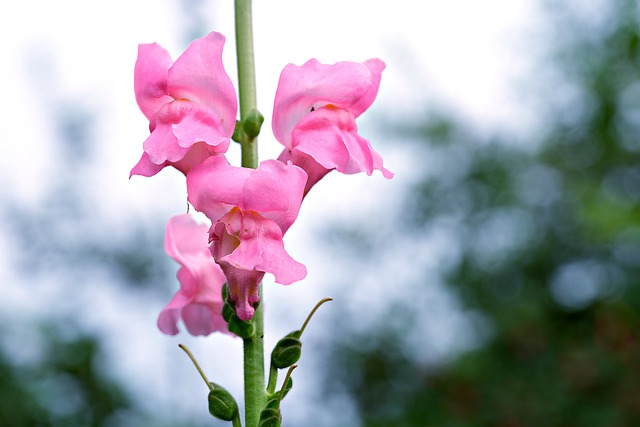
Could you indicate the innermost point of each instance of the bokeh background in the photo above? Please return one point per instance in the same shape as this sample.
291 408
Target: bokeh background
495 281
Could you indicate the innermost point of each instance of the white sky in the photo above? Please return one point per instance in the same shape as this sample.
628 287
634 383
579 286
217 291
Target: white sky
460 53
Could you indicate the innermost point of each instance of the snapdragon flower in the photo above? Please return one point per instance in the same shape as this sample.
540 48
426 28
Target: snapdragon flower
314 117
198 302
250 211
191 105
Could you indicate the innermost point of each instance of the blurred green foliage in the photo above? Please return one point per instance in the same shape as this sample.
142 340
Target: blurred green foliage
549 233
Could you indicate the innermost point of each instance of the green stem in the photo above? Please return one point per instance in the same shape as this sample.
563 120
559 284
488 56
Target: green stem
255 396
273 379
246 78
235 422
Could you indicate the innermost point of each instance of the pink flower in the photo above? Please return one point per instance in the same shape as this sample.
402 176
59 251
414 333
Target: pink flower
199 300
314 117
250 211
191 105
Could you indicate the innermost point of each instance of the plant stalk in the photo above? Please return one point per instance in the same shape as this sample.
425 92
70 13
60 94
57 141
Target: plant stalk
255 396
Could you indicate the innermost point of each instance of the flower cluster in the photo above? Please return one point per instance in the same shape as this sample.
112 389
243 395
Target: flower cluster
191 106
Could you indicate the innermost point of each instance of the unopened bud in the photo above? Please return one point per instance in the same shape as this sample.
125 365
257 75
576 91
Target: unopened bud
286 352
252 124
221 404
270 417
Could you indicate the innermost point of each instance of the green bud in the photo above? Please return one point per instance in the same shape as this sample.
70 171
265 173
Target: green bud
286 352
273 402
236 132
295 334
270 417
240 327
225 292
252 124
221 404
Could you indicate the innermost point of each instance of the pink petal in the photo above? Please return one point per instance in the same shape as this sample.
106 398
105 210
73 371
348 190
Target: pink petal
146 167
170 315
184 236
150 78
199 76
201 319
315 171
199 300
375 66
246 245
274 189
330 136
314 85
243 289
214 187
162 145
261 247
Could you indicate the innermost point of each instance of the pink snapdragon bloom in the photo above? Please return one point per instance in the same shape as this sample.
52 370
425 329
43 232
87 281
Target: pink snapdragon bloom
199 300
191 105
314 117
250 211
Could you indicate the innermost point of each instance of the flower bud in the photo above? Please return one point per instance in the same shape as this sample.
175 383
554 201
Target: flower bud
270 417
221 404
252 124
286 352
236 132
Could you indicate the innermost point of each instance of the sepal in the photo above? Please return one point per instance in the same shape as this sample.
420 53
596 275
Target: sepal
241 328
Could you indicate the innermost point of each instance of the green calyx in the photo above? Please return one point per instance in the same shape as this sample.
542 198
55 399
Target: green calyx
236 325
241 328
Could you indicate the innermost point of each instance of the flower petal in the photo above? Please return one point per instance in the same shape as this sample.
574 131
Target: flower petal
150 78
215 187
274 189
170 315
162 145
375 66
302 89
315 171
199 300
261 247
145 167
199 76
201 319
185 237
330 136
